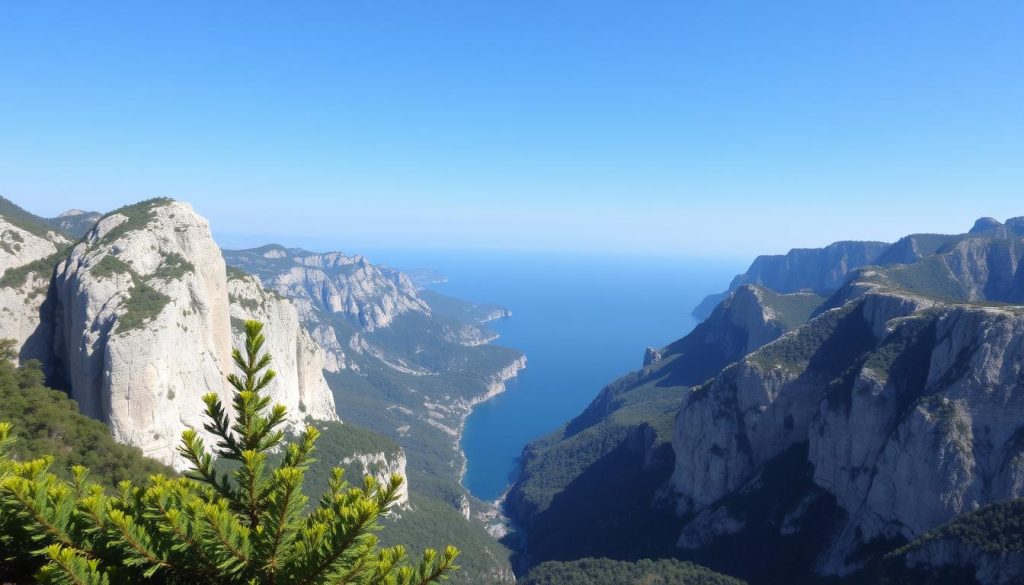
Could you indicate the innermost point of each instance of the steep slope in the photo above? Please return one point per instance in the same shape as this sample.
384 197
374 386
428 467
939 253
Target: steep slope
901 399
74 223
399 366
984 546
143 327
887 410
596 487
298 359
367 296
29 249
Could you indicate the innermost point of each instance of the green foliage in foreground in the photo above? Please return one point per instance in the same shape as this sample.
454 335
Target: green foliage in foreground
609 572
47 423
250 526
428 522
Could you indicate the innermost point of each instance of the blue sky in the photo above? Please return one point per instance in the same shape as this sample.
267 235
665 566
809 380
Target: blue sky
713 128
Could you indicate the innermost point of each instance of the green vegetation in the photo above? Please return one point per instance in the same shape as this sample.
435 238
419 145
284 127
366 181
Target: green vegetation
791 310
110 265
408 365
608 572
794 352
47 422
459 310
17 277
250 305
930 277
251 526
29 222
138 217
590 488
173 267
143 304
996 529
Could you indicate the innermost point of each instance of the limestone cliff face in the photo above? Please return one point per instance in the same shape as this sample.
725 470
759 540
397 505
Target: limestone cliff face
818 270
909 409
369 297
19 246
143 325
25 276
298 359
143 328
382 466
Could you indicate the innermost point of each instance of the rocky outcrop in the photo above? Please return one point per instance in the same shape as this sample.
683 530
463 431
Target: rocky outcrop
817 270
909 409
369 297
27 257
143 328
19 247
298 359
382 466
143 325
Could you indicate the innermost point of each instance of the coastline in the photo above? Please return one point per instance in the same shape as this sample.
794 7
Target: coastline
496 386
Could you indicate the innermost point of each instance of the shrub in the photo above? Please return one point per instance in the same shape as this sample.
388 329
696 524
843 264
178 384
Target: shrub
249 526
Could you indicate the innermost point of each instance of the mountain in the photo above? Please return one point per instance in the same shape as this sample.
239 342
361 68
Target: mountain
74 223
407 364
816 270
143 328
404 367
617 452
814 447
136 320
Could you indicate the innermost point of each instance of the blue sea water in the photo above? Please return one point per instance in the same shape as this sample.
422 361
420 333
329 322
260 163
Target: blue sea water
582 321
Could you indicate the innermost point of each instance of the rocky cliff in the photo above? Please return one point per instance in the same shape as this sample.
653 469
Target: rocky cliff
382 466
904 395
817 270
830 432
28 252
597 487
368 296
143 328
298 360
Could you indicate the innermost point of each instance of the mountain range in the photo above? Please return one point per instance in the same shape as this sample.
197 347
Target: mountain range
841 415
844 415
134 314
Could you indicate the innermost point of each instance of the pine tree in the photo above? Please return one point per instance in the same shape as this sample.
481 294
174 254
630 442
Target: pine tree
251 525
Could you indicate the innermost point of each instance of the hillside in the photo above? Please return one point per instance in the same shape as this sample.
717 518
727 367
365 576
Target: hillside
887 410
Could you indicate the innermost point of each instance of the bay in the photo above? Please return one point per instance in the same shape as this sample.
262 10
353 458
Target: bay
581 320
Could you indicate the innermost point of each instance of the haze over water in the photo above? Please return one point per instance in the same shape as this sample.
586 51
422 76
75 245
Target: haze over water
582 321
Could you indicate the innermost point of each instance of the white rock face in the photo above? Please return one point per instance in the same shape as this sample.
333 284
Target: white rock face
958 448
21 301
19 247
381 466
146 381
298 360
143 329
367 295
21 316
928 428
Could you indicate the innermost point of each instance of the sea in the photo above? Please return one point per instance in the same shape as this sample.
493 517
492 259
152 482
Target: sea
582 320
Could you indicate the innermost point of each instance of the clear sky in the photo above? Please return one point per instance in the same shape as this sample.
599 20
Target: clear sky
715 128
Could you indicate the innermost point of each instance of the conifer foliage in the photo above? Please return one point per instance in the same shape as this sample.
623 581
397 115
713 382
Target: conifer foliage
251 525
